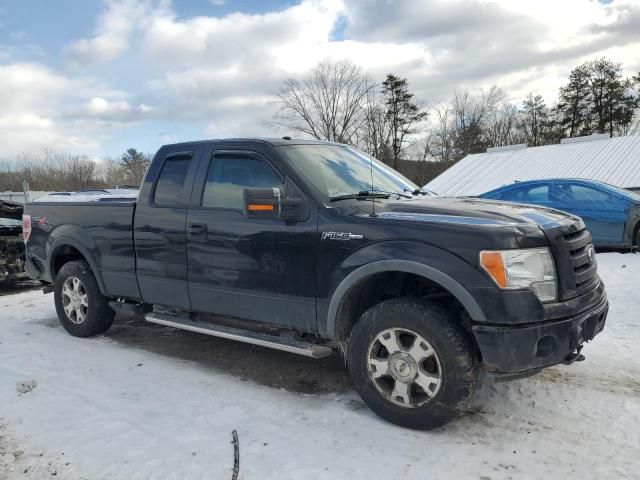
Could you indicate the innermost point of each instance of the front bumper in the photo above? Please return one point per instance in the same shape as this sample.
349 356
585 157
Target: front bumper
516 349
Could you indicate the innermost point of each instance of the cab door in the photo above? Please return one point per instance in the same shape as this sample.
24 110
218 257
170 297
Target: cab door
160 229
254 269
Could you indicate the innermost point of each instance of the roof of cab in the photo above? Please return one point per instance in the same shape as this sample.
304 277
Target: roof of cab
274 142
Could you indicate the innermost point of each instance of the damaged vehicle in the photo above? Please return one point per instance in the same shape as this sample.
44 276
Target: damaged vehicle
310 247
12 251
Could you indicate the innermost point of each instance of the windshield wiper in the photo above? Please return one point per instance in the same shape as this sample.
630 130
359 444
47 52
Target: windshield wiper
419 191
368 194
364 194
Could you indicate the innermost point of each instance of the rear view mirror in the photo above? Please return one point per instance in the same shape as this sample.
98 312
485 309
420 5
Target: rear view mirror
269 203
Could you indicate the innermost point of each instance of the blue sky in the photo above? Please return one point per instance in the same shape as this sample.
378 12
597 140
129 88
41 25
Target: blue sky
97 77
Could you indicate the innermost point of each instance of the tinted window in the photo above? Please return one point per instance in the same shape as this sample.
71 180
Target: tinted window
230 175
536 193
170 184
580 193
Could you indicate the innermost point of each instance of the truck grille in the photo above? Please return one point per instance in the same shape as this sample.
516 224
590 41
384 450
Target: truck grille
575 259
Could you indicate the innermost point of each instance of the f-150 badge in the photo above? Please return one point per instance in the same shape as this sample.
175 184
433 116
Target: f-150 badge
340 236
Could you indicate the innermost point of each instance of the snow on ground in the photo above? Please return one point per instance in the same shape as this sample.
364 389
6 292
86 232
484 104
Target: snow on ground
147 402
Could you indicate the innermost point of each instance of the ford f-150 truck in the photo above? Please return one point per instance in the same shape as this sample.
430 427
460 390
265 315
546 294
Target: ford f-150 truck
311 247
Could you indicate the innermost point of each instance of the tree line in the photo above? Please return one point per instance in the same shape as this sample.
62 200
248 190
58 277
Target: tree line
340 102
50 170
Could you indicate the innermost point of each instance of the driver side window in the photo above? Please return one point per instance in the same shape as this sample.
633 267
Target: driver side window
230 174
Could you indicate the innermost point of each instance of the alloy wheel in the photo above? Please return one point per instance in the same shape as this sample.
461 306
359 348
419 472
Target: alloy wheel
404 367
75 300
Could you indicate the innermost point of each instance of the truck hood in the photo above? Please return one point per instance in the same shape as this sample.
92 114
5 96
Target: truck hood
471 211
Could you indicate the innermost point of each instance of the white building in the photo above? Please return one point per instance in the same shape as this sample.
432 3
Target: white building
596 157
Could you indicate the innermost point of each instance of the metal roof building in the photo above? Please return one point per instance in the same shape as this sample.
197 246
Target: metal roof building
597 157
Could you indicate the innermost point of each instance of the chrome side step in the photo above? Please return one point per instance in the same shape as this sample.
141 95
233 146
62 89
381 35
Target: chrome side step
264 340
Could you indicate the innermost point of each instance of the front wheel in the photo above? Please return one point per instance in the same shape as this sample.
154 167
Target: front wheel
82 309
411 363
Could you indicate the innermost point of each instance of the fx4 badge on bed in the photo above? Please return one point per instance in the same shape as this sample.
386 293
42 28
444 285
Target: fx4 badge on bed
340 236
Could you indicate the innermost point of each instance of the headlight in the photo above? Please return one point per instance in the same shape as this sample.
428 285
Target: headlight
525 268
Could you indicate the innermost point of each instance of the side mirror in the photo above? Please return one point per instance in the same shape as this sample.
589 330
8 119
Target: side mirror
269 203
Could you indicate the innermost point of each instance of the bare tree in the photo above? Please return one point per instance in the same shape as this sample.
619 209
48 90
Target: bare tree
470 113
111 172
501 125
329 105
376 132
438 144
50 170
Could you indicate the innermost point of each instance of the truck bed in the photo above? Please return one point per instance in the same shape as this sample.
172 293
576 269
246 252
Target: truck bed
102 228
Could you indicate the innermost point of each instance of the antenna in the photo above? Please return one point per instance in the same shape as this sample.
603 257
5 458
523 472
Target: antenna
373 200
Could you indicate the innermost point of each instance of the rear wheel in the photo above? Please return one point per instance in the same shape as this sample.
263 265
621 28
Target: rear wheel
411 364
82 310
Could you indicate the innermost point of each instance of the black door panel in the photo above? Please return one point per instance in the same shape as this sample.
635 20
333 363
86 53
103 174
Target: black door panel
255 269
160 232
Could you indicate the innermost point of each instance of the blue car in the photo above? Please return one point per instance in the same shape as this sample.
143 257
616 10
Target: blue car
611 214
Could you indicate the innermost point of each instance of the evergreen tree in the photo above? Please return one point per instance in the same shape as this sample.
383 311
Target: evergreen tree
402 111
574 99
134 164
613 104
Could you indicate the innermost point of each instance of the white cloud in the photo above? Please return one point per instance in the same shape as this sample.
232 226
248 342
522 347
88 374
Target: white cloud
115 111
42 108
114 30
217 75
476 43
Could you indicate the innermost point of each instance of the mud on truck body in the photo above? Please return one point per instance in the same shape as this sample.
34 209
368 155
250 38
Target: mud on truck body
312 247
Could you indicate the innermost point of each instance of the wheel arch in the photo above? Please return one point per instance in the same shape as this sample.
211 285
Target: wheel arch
67 249
335 318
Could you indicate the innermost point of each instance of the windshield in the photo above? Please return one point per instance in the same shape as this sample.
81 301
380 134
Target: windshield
335 170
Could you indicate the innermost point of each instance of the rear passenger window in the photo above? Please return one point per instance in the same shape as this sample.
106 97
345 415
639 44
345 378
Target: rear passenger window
537 193
229 175
586 194
170 184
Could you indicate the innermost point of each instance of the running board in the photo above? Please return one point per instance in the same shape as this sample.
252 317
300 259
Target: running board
255 338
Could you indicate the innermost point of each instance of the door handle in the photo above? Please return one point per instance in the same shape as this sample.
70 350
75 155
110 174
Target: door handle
196 229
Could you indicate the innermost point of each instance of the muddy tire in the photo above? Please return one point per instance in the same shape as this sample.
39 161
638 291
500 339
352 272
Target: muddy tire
82 310
411 363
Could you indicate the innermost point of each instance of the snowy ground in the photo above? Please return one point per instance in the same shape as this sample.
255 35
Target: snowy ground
148 402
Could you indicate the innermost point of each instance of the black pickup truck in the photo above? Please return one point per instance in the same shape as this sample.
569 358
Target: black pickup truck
308 247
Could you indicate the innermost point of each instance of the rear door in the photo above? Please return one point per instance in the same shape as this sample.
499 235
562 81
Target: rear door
160 229
255 269
604 214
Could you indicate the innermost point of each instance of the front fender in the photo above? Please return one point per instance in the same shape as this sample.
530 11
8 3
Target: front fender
428 261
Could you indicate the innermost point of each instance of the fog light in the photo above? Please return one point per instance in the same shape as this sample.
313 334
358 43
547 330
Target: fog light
545 346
